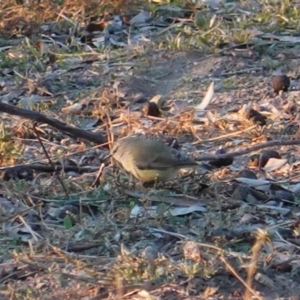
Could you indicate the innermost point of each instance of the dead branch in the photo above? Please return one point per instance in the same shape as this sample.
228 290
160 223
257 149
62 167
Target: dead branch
38 117
57 167
100 139
249 149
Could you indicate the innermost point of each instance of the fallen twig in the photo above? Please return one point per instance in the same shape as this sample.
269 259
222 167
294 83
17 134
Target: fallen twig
249 149
38 117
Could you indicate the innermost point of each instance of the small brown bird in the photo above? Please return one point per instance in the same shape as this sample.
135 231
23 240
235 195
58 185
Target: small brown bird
280 83
149 160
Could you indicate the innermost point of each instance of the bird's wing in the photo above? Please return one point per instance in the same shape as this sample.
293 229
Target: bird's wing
162 161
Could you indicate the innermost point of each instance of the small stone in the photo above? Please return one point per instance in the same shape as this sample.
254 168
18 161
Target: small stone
266 155
18 173
191 250
151 109
221 162
244 193
253 115
280 83
150 253
256 117
261 160
247 174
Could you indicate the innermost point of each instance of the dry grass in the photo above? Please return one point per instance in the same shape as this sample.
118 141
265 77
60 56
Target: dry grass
62 237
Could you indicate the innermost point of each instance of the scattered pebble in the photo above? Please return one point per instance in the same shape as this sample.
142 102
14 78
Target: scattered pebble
280 83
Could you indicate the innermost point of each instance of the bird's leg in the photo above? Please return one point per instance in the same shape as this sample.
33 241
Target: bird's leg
145 198
156 181
131 181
